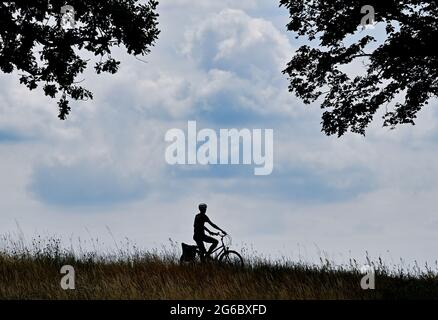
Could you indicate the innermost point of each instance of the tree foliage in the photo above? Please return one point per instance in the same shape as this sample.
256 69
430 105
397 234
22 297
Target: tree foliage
33 42
402 70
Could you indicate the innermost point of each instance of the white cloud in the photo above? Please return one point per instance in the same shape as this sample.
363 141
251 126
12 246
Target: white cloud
234 41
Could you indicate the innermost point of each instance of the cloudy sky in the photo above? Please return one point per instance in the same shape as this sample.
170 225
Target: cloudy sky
218 63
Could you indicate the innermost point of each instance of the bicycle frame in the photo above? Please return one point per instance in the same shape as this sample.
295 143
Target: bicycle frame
222 248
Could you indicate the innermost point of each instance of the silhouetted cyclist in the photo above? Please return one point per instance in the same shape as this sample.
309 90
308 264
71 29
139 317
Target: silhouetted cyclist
199 231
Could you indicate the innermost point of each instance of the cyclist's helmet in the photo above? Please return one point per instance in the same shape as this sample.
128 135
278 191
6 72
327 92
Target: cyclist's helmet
202 206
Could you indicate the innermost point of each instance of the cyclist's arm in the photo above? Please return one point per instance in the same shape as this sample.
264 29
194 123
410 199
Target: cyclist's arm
210 232
216 227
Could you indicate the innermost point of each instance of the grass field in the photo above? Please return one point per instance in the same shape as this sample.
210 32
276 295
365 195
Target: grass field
35 274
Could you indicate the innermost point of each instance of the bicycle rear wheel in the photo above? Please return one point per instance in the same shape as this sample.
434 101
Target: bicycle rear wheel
231 258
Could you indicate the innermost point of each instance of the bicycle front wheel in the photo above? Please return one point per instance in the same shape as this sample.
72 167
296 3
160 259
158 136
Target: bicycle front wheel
231 258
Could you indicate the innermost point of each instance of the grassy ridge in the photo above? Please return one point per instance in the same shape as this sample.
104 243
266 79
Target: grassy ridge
36 274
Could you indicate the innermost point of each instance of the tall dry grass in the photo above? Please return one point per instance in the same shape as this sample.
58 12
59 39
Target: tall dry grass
33 272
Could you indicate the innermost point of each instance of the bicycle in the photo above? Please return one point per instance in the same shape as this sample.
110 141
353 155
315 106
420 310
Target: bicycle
221 254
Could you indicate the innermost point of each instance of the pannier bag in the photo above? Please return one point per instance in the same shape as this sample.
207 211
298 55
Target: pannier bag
188 252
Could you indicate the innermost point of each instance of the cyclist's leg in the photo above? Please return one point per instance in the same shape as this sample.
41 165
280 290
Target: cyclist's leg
213 242
200 243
